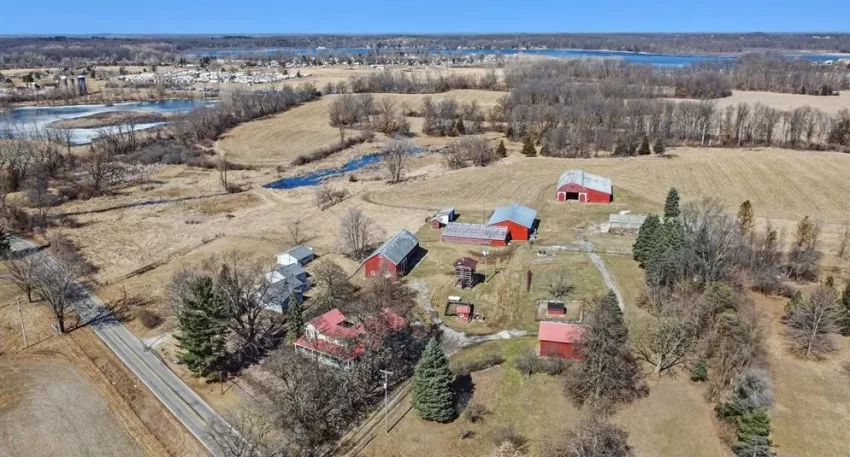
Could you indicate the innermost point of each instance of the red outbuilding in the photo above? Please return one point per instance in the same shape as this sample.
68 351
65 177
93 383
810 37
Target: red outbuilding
560 339
393 258
464 312
576 185
518 219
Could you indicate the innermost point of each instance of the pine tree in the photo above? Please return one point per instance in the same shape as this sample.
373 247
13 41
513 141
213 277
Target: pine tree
294 319
844 323
528 149
4 243
658 147
671 205
609 373
544 151
662 266
700 371
459 127
746 217
647 239
433 397
644 147
202 328
501 149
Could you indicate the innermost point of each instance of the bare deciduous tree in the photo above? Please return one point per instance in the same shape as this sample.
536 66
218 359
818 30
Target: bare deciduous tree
594 437
394 157
811 325
665 342
356 233
55 280
558 284
845 240
332 283
23 272
251 434
297 232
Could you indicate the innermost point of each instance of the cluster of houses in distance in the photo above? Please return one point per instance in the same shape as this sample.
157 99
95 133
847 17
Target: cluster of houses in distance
333 339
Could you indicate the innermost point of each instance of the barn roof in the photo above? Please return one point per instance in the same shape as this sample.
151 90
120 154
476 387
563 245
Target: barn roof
520 214
398 247
587 180
477 231
559 332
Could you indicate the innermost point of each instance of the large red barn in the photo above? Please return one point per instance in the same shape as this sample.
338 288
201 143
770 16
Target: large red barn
518 219
393 258
576 185
560 339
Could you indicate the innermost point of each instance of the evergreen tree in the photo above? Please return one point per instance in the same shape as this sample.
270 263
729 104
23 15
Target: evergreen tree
609 374
459 127
700 371
621 148
528 149
658 147
794 303
647 239
662 266
501 149
4 243
433 396
845 311
544 151
294 319
746 217
671 205
644 147
202 328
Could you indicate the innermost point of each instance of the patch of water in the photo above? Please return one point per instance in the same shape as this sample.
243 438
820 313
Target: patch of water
315 178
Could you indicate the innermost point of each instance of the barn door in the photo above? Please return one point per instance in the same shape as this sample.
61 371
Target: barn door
562 196
582 197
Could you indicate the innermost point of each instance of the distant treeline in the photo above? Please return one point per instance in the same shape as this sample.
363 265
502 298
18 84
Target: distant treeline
579 120
679 43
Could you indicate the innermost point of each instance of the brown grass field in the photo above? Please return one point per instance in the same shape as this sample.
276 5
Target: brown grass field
68 395
279 139
537 409
787 102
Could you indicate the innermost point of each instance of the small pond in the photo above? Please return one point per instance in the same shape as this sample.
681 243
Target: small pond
315 178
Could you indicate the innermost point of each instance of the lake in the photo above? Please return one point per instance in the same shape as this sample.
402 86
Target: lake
662 60
31 117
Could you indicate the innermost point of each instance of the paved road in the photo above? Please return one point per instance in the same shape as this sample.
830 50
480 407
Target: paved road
179 398
606 276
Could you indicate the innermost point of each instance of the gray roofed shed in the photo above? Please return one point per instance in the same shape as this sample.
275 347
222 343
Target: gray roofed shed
301 253
477 231
517 213
584 179
398 247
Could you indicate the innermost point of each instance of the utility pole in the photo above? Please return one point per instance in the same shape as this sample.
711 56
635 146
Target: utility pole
386 401
21 315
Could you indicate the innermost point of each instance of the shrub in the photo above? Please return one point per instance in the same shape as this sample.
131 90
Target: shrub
507 434
477 364
148 318
328 151
475 412
700 371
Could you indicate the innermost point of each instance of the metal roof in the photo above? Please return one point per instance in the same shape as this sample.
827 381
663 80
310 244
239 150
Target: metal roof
478 231
626 219
291 271
520 214
559 332
587 180
300 252
398 247
446 211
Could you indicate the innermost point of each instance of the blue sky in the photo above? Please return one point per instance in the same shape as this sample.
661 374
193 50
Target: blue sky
420 16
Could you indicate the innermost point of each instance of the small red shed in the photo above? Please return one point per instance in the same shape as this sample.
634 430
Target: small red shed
518 219
393 257
576 185
464 312
560 339
556 308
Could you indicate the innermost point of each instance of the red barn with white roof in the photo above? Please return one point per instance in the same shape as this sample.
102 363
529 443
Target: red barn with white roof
576 185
